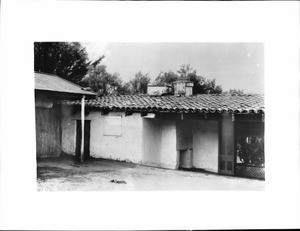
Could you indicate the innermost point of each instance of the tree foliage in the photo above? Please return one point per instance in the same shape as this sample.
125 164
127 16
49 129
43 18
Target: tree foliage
67 60
105 83
186 72
125 89
166 78
99 80
138 85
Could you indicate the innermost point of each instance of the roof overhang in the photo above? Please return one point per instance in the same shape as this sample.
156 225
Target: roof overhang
64 95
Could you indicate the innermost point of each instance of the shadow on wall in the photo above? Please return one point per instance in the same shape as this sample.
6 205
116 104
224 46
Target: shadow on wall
159 143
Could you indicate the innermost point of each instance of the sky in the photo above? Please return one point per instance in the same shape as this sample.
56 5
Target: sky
233 65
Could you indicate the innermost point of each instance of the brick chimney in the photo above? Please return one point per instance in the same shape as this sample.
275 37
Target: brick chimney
158 90
183 87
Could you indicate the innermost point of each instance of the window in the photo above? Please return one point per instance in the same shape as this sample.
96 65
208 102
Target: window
113 126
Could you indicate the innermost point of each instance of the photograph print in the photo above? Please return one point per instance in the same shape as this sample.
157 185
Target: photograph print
149 116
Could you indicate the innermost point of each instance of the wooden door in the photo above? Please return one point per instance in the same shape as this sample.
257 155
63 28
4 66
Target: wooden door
226 154
86 147
48 132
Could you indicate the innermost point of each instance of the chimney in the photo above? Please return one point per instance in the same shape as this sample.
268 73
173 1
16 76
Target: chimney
158 90
183 87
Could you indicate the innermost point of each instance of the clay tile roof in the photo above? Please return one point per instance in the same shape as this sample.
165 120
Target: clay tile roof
49 82
209 103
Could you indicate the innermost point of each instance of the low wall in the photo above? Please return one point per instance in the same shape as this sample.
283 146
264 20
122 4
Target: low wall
205 145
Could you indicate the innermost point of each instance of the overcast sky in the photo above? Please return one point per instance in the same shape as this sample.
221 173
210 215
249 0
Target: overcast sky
233 65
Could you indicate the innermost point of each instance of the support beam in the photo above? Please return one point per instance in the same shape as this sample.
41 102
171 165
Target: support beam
144 114
82 130
128 113
104 112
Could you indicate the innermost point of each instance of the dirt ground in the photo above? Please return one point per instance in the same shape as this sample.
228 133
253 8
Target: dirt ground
98 174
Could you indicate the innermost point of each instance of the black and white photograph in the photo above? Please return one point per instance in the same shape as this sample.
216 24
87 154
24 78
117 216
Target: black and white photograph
149 115
141 116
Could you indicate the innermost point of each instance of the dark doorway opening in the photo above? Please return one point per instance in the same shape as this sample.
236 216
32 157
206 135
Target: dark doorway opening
86 146
250 155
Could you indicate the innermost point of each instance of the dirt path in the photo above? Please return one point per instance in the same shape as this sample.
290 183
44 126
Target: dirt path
93 175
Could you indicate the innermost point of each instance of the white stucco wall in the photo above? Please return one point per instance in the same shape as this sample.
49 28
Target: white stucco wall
152 133
124 147
159 143
169 154
147 141
205 145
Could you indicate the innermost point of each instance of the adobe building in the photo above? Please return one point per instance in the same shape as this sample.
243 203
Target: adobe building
220 133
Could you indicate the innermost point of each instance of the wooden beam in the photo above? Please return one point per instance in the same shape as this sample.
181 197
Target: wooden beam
128 113
249 117
144 114
82 130
104 112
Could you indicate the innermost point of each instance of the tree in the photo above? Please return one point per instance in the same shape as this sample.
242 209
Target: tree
99 80
186 72
139 84
125 89
165 78
67 60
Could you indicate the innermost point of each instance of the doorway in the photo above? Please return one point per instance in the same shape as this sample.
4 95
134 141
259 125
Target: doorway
86 146
249 150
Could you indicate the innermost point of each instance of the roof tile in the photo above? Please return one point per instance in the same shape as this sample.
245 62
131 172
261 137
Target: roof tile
253 103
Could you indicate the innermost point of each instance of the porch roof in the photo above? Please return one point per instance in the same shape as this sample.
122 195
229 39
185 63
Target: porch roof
207 103
54 83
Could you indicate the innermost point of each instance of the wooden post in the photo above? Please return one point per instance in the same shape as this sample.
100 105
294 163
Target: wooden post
82 130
